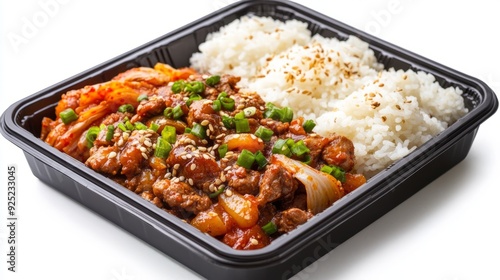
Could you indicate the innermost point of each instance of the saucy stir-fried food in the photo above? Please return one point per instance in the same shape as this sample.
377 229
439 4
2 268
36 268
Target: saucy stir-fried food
234 167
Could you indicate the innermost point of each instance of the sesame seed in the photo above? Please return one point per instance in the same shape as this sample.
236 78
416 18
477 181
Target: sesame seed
205 122
229 193
201 148
125 136
193 167
148 143
190 181
112 155
254 241
176 166
182 178
223 178
144 155
211 127
143 149
120 142
218 181
117 134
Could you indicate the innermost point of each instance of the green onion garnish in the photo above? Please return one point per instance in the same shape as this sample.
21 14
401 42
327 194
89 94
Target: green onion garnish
246 159
217 105
122 127
129 125
309 125
264 133
261 160
335 171
213 80
110 132
177 112
140 126
287 114
168 133
270 228
281 147
168 112
67 116
163 148
228 121
142 97
192 98
195 87
299 149
249 111
126 108
199 131
222 150
178 86
216 193
154 126
92 135
242 125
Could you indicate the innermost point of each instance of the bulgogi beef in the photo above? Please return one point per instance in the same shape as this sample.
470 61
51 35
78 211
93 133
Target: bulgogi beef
236 168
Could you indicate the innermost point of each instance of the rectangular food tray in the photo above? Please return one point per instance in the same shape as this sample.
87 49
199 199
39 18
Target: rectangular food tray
21 124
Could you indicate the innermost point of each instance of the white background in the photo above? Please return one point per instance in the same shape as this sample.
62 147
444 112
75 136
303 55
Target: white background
448 231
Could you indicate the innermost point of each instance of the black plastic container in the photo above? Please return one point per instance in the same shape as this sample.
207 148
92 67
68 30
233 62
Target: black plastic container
21 124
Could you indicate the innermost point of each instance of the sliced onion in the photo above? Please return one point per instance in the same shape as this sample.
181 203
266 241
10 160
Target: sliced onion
322 189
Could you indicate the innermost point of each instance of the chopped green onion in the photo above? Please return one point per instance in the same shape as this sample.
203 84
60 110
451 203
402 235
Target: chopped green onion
213 80
249 111
309 125
110 132
264 133
92 135
228 121
270 228
194 87
227 103
140 126
168 133
239 116
199 131
287 114
281 147
222 150
154 126
122 127
142 97
222 95
126 108
177 112
261 160
217 105
246 159
163 148
290 142
242 126
129 125
67 116
192 98
273 113
168 112
299 149
216 193
335 171
178 86
187 130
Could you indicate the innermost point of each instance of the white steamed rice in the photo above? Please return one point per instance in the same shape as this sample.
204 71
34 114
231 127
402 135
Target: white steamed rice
386 113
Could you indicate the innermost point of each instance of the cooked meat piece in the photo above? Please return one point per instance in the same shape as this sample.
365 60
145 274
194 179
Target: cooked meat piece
243 180
180 194
339 152
266 214
202 112
278 128
276 183
228 84
149 196
316 144
194 163
246 239
290 219
104 160
135 152
155 105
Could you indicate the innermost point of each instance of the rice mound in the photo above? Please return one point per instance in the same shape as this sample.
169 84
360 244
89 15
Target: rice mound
339 84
